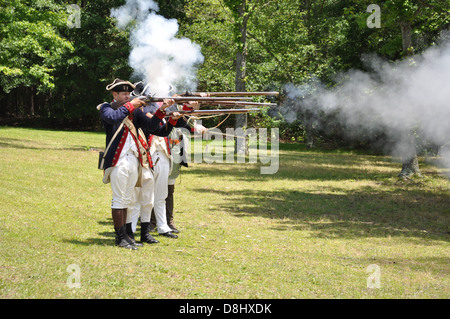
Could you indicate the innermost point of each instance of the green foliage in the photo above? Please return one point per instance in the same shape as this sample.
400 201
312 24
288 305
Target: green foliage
101 52
31 46
427 18
288 41
71 65
208 25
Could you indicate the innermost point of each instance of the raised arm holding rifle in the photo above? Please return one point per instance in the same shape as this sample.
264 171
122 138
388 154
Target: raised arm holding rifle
126 152
154 188
176 144
123 155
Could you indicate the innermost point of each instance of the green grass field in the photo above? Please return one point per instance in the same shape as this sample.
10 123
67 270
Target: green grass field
312 230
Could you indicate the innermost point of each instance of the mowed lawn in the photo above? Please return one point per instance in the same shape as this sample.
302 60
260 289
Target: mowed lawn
328 224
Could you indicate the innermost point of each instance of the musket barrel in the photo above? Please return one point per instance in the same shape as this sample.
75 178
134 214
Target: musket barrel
239 103
237 93
190 99
209 112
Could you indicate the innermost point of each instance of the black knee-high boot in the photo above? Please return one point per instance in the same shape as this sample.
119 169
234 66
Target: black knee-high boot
145 234
130 234
169 209
152 221
122 238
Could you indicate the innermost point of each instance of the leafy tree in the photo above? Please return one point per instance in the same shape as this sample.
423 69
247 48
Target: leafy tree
101 51
68 67
408 27
208 24
173 9
31 46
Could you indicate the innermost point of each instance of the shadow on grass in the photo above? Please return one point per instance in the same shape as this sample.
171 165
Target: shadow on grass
351 215
106 238
402 209
327 211
305 165
32 145
92 241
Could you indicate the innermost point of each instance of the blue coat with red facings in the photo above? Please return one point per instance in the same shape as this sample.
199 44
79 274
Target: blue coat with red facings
150 126
181 123
112 119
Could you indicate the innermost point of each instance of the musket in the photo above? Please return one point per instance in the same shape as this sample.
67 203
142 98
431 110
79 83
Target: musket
212 112
211 101
222 94
182 99
238 103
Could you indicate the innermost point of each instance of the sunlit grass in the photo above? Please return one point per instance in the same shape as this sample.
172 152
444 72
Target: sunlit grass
308 231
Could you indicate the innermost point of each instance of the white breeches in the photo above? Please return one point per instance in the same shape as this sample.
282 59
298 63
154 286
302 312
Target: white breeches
152 195
142 202
123 180
161 173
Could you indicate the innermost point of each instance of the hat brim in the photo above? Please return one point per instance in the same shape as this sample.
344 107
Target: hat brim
122 86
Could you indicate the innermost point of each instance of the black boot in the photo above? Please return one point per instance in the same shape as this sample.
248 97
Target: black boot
122 239
131 235
169 234
169 209
152 222
145 234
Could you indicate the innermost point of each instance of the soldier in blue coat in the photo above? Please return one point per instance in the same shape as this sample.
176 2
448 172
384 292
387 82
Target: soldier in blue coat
125 152
143 199
154 183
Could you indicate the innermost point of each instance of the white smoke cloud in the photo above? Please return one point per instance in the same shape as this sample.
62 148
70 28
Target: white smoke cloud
133 10
394 98
158 57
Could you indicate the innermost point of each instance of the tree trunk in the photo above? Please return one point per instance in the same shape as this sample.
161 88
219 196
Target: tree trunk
308 16
32 100
410 163
241 60
405 27
308 118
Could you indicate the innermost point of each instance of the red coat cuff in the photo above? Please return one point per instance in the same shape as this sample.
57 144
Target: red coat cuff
173 122
160 114
129 106
187 107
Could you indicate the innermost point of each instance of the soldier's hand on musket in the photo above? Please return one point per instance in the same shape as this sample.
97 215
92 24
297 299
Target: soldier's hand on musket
200 129
167 103
137 102
176 115
193 104
196 104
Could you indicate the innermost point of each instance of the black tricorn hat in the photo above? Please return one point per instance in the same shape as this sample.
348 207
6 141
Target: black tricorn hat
119 85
